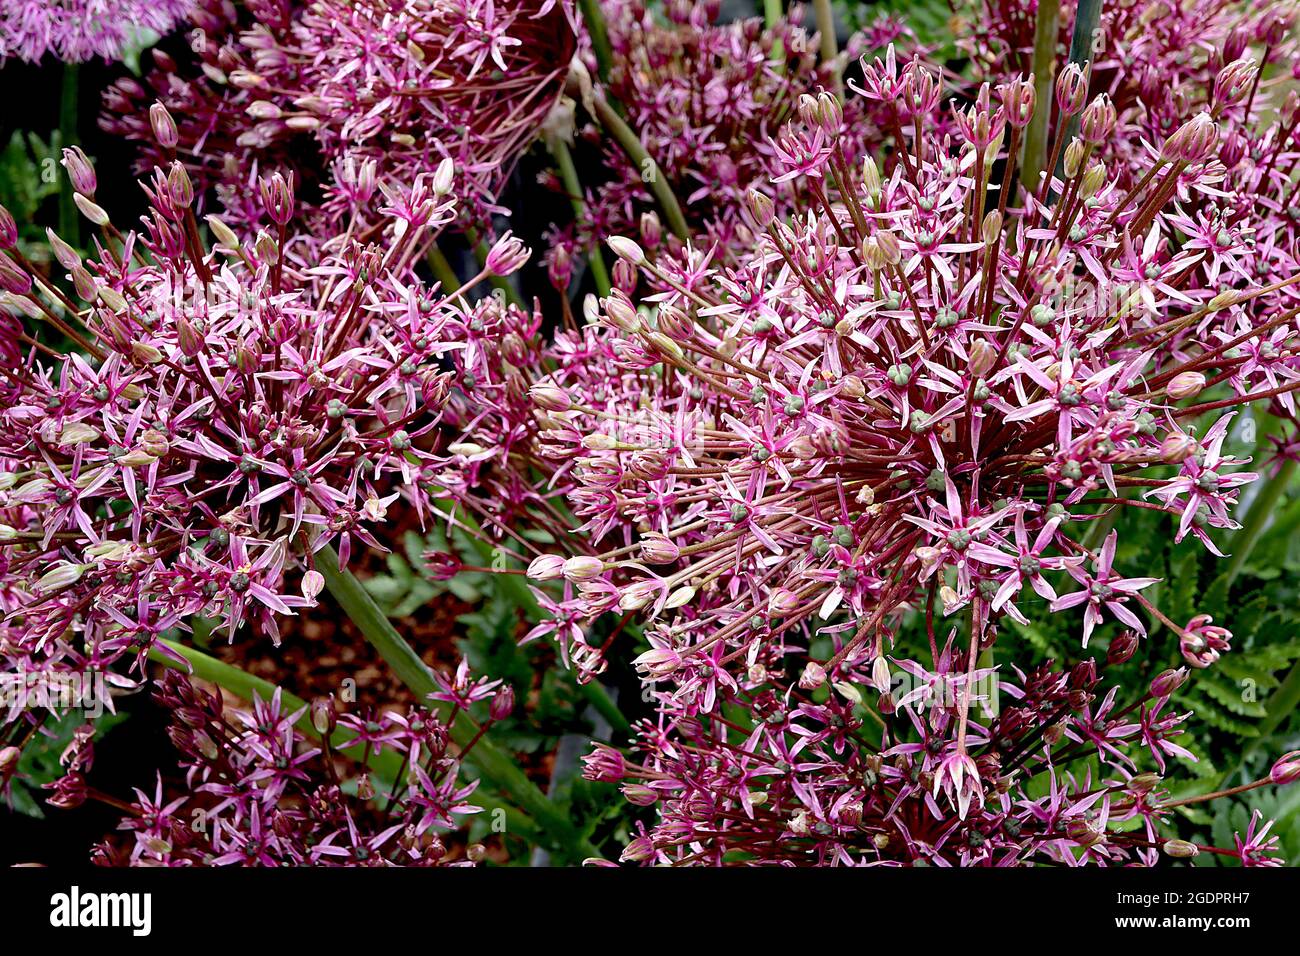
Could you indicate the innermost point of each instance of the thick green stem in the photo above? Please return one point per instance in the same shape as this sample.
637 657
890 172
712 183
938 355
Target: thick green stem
69 217
569 175
1086 18
826 31
599 36
442 270
772 14
1045 30
631 144
495 766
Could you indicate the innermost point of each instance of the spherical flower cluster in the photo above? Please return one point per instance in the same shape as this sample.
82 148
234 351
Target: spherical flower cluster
78 30
262 792
915 398
353 103
229 413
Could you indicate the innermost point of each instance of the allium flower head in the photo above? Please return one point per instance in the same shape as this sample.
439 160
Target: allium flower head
354 103
896 399
78 30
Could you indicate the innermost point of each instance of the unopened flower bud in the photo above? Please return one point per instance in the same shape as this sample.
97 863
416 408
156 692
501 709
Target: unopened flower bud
1234 82
323 716
1185 385
1092 180
1071 89
8 229
1074 155
583 568
546 567
813 676
155 443
136 458
761 207
1018 100
889 246
1084 831
664 345
638 595
1177 448
639 795
1286 769
146 354
982 356
881 679
652 229
851 386
1098 120
313 583
13 279
64 253
1143 782
604 764
802 447
1168 681
503 703
623 276
674 322
872 255
622 314
223 233
8 763
680 597
649 464
263 110
90 210
1195 140
110 298
1181 849
267 249
277 198
550 397
870 177
1290 107
365 788
78 433
782 601
443 177
657 549
1273 26
188 338
62 575
163 126
1222 300
991 228
80 172
806 106
625 248
830 114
